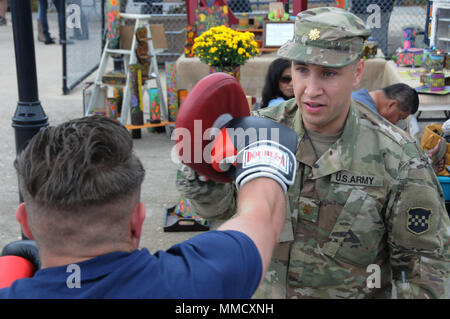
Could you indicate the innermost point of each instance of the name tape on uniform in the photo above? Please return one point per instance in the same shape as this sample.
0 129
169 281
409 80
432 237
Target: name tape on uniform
356 179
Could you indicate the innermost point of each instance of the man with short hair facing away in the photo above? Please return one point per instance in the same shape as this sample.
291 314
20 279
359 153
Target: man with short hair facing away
394 102
81 184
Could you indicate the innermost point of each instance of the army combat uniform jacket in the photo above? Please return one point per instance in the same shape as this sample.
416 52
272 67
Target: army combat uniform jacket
368 213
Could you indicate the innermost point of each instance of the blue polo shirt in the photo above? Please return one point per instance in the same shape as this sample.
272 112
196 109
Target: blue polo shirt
364 97
215 264
275 102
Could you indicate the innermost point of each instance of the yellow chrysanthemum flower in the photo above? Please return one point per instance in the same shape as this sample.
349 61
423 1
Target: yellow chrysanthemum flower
224 46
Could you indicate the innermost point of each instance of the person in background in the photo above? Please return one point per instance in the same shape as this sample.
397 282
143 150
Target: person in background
42 22
3 8
278 84
397 103
394 102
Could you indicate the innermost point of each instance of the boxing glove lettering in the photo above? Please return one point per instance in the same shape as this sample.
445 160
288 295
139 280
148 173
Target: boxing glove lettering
251 147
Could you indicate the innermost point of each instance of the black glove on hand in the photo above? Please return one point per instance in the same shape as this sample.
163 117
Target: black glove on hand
251 147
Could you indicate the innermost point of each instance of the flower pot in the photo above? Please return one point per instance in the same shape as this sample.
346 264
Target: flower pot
234 70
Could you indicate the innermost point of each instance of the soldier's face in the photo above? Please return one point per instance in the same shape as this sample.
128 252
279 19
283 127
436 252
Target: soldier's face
323 94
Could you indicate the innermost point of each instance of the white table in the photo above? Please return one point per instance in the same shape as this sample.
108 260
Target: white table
252 73
378 73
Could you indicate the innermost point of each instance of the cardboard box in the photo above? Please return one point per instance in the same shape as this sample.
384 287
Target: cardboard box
158 36
126 36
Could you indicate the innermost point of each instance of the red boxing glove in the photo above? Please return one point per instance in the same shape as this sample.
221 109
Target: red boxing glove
20 259
13 268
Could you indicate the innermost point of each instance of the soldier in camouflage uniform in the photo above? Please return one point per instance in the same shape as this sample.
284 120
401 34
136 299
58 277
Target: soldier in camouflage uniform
365 202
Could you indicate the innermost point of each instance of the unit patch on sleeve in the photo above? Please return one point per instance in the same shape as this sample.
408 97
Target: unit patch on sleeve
418 221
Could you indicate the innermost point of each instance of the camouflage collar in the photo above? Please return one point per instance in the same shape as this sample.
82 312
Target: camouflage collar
341 154
298 125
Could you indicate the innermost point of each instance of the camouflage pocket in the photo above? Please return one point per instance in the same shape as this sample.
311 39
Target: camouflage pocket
344 222
366 238
356 236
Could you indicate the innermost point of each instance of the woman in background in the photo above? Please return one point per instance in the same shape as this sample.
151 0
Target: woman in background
278 84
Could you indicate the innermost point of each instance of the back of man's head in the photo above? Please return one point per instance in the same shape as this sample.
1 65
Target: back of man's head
406 96
77 176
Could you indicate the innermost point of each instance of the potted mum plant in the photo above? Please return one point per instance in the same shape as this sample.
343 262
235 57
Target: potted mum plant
225 49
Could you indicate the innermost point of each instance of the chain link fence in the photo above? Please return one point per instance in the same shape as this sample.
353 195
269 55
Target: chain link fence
84 29
172 15
387 18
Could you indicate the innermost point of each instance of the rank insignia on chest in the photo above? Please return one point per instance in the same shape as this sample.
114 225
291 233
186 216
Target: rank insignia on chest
308 209
418 221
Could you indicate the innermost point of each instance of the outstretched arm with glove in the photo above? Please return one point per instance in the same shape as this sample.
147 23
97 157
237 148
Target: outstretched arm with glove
256 153
259 155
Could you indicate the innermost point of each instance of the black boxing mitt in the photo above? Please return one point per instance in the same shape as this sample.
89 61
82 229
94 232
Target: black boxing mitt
252 147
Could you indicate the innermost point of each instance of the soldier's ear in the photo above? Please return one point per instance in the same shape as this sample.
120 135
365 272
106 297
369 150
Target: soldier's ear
358 71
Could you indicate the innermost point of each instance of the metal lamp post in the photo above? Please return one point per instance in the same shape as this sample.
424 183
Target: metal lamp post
29 116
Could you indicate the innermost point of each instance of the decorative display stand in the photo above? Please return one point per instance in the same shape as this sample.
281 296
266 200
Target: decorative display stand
130 59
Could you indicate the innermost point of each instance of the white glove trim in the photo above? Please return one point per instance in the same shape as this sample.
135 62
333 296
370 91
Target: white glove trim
247 178
267 164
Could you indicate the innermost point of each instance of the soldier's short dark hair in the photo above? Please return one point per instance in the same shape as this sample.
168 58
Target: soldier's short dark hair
407 97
